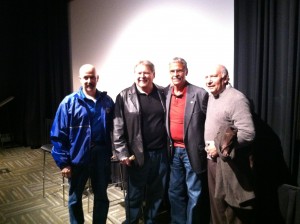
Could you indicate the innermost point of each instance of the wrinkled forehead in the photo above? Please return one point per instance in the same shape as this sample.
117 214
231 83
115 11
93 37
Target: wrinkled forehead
177 64
87 70
212 70
142 68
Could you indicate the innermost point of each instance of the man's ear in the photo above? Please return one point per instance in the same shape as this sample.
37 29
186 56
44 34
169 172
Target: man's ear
225 78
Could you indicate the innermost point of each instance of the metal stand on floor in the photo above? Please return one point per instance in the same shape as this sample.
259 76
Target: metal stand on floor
47 150
7 139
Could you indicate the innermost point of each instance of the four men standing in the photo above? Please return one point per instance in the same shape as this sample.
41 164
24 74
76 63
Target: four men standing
147 120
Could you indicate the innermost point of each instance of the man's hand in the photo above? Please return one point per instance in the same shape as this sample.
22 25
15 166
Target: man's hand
66 172
211 149
127 160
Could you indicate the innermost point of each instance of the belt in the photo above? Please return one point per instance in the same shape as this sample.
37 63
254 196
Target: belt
179 147
153 150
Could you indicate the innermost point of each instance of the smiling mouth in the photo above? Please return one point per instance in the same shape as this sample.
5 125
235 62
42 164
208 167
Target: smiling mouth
90 86
176 78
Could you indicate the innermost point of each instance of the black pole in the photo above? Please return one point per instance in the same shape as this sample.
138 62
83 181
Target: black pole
128 198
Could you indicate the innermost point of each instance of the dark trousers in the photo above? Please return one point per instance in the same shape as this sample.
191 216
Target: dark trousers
221 212
99 171
147 184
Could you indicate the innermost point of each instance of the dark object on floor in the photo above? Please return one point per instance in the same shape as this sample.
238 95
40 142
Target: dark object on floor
289 203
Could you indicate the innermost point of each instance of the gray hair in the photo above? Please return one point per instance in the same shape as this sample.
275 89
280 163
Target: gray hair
179 60
223 70
147 63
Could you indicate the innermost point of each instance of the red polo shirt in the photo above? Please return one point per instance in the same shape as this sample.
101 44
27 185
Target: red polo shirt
177 118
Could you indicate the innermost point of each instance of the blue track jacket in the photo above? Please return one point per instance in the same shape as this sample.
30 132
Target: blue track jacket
71 129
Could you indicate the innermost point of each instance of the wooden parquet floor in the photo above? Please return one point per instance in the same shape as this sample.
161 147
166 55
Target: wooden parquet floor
21 191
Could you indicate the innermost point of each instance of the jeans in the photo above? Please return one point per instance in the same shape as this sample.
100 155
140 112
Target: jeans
185 190
99 171
146 183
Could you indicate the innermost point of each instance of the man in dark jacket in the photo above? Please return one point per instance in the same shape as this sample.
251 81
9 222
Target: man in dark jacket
186 111
139 131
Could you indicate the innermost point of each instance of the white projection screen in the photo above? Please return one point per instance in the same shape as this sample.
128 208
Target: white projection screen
114 34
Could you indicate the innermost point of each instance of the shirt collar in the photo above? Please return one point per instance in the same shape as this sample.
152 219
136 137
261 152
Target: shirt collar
182 93
81 93
143 93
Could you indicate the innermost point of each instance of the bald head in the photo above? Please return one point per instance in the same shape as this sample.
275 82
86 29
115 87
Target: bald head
223 71
217 79
88 79
87 68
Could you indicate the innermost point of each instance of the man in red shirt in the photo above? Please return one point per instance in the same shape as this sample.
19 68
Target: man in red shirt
186 113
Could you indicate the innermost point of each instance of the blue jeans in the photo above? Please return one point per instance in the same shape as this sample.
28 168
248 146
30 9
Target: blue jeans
146 183
99 171
185 189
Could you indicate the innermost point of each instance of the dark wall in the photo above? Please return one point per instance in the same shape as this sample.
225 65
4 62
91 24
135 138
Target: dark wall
266 66
11 76
35 65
